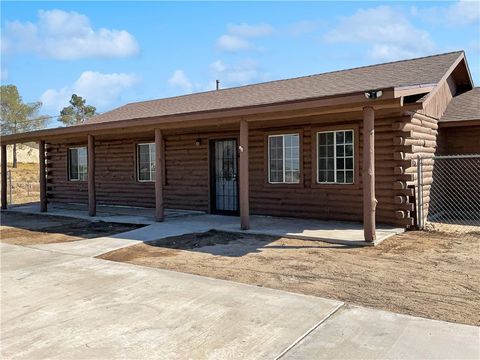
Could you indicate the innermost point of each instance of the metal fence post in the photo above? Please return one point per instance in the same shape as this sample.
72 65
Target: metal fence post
10 186
420 193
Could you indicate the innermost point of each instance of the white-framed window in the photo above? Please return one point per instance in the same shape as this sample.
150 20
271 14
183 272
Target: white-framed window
77 164
335 157
284 159
146 162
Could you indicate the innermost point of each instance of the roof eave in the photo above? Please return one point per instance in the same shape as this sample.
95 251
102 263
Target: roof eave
402 91
452 67
458 123
342 101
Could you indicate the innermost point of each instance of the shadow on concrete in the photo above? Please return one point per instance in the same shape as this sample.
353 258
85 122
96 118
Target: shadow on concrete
231 244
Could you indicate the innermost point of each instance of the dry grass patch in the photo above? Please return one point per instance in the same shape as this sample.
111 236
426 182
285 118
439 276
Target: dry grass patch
25 183
430 275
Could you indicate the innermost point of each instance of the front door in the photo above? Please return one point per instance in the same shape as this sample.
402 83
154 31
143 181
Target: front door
223 175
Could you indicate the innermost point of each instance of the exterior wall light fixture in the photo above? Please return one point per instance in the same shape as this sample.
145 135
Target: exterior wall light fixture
373 94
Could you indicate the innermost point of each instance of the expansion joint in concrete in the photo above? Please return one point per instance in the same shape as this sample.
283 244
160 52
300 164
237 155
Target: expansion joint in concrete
308 332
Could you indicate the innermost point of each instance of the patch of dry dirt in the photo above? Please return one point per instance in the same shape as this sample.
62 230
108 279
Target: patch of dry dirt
24 229
424 274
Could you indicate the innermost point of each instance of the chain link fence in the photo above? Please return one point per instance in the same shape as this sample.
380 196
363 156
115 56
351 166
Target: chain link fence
448 198
22 186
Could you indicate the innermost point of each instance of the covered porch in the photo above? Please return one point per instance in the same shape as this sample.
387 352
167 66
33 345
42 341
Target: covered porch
183 159
178 222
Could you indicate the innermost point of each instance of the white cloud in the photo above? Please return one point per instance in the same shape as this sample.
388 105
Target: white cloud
231 43
240 73
463 12
99 89
218 66
236 74
237 36
460 13
302 27
248 31
386 31
66 35
180 80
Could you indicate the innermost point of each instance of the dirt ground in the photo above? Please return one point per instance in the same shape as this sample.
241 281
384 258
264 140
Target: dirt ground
431 275
24 229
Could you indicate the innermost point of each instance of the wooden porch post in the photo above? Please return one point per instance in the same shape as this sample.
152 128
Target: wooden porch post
43 179
368 174
4 176
159 156
92 201
244 174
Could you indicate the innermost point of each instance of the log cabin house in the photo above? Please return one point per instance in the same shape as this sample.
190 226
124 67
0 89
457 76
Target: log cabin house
340 145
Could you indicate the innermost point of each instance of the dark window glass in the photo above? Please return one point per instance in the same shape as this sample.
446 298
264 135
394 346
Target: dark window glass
335 157
284 158
77 164
146 162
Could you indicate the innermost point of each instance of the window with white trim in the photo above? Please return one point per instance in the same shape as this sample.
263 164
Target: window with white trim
284 159
77 164
335 157
146 162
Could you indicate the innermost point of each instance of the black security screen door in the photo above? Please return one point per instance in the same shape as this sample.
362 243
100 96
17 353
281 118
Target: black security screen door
223 167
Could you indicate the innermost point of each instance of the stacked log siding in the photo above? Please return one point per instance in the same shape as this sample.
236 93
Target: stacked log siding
187 175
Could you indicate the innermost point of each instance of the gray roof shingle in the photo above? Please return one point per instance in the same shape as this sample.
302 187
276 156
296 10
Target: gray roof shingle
426 70
465 106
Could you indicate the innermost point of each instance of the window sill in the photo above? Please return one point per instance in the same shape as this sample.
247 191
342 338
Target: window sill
284 185
335 186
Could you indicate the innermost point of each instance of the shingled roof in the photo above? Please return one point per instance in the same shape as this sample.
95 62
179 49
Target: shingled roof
420 71
465 106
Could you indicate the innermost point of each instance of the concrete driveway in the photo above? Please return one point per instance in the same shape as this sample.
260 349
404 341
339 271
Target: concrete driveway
63 306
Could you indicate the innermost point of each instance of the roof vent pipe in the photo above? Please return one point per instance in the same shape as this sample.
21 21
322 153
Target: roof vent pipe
218 84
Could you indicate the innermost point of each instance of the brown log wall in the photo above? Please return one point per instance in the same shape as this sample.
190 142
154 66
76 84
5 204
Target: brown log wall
187 176
459 140
115 176
416 136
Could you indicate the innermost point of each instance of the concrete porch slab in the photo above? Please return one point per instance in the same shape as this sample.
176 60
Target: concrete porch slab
178 222
106 213
339 232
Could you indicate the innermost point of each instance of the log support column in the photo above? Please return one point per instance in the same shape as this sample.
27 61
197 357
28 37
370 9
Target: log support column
92 201
159 158
244 175
4 176
368 174
43 177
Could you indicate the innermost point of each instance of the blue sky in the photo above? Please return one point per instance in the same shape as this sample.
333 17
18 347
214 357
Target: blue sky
117 52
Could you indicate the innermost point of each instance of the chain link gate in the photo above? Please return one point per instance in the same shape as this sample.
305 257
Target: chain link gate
448 194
